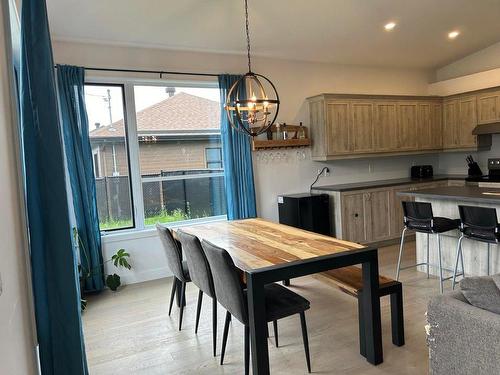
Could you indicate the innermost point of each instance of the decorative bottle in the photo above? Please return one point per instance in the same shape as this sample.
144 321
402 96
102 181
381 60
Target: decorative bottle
301 133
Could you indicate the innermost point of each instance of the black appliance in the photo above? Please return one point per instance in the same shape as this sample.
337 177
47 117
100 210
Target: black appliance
493 172
421 171
305 211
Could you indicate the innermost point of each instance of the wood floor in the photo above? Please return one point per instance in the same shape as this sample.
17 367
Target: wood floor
129 332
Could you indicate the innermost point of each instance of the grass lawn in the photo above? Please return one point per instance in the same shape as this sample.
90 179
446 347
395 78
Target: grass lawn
163 217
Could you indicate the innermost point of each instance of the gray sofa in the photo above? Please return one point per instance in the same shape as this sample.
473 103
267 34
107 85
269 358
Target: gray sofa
462 338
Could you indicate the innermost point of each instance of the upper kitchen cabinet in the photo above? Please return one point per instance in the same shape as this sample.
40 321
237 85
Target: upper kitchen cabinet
354 126
467 111
361 126
488 107
429 125
406 126
460 117
450 124
385 120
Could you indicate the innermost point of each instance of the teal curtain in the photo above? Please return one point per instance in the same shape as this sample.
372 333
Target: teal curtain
74 121
52 256
237 159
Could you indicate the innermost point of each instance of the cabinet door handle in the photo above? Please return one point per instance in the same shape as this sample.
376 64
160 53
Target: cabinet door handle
356 215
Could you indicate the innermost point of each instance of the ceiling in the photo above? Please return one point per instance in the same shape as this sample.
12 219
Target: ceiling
338 31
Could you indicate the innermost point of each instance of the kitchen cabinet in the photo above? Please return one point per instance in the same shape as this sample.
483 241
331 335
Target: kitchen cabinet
361 126
366 216
459 120
488 104
467 116
347 126
353 217
450 124
429 126
406 130
338 128
374 215
385 120
377 218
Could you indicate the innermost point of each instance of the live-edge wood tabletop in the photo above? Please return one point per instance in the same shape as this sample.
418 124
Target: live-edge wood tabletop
258 243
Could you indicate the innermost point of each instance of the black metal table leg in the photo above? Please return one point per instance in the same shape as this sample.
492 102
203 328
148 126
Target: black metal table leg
397 319
361 323
257 325
371 310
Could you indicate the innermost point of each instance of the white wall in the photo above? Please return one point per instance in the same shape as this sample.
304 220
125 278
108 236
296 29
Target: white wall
295 81
17 343
480 61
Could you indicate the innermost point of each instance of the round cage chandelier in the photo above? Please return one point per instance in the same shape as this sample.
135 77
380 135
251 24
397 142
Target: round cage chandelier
249 108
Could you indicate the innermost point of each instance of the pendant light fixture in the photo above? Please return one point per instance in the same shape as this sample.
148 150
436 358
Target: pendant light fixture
249 108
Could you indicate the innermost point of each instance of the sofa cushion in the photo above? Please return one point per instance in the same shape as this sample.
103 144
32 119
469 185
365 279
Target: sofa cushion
482 292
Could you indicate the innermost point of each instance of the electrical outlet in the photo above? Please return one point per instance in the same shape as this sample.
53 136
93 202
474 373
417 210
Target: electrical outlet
326 172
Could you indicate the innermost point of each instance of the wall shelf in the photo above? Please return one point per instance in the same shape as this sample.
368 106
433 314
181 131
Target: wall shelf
282 143
293 141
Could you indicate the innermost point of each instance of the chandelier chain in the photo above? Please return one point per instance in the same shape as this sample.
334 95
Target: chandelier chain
247 29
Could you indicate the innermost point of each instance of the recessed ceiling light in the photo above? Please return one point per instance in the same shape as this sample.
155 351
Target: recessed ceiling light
390 26
453 34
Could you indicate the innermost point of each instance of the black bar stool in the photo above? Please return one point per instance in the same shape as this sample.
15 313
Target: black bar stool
418 216
478 224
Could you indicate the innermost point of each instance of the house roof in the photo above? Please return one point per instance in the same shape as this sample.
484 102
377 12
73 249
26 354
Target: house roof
181 113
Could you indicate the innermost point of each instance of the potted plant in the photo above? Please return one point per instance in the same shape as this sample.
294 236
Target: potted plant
120 260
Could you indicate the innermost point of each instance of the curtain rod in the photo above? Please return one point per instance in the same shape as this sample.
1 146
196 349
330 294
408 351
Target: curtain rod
160 72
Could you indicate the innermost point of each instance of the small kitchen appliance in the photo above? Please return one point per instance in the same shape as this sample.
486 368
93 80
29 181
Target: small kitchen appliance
421 171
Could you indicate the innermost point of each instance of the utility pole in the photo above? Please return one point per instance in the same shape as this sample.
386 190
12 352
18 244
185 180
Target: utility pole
108 100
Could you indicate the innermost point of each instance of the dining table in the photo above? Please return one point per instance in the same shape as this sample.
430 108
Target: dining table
268 252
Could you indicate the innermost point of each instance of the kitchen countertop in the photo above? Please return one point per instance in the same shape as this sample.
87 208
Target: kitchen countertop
457 193
390 182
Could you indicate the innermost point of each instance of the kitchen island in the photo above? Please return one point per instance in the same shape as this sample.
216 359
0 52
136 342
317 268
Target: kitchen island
445 201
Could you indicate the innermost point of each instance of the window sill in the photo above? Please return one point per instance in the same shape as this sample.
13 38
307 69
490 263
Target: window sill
133 234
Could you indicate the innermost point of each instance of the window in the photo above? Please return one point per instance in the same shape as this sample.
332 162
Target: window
108 140
175 127
213 157
173 143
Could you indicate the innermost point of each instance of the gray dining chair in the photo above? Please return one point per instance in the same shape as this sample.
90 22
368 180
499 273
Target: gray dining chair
178 267
229 290
201 277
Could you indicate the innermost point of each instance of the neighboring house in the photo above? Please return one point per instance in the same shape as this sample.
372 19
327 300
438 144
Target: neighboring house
178 133
177 136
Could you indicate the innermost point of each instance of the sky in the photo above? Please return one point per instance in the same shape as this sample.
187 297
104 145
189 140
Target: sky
98 109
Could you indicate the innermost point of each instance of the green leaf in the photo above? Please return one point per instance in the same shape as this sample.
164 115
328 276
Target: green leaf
113 282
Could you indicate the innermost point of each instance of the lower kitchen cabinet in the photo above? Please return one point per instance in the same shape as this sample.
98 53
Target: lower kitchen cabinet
353 217
374 215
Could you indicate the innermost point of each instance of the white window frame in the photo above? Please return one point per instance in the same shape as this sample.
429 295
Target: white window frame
133 144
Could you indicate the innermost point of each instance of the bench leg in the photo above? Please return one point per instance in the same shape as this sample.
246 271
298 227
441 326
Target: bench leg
397 319
361 322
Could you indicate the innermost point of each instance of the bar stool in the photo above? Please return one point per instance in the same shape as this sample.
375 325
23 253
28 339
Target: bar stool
478 224
418 216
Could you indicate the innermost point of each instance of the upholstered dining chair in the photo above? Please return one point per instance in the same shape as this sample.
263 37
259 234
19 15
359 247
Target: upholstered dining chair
229 291
201 277
178 267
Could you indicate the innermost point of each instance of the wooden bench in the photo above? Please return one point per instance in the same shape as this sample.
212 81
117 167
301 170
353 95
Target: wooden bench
349 280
